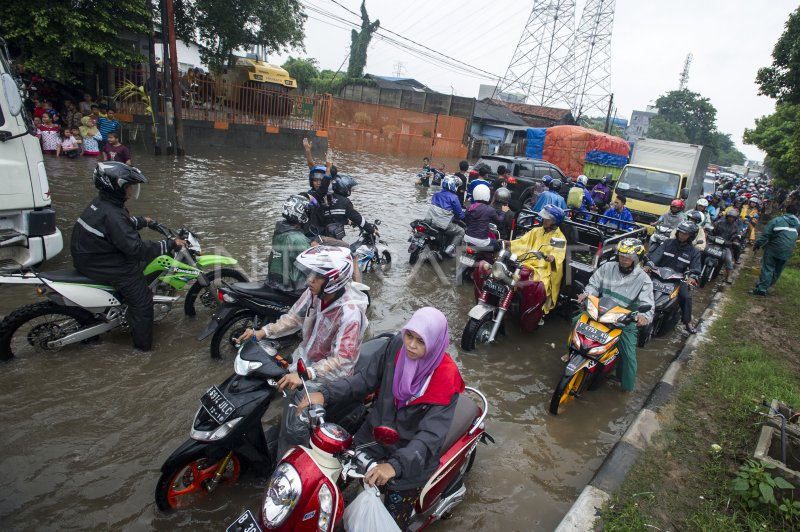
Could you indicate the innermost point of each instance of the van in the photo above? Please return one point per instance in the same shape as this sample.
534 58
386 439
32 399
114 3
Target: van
28 232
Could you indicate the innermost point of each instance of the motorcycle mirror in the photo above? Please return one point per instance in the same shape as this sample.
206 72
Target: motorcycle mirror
558 243
302 370
386 436
376 222
645 308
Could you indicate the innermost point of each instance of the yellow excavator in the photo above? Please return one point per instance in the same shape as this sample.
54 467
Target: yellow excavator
257 87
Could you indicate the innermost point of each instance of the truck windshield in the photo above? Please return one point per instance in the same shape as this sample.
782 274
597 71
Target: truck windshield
648 185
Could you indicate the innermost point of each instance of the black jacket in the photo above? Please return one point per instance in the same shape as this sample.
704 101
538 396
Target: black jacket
338 209
680 257
106 241
422 427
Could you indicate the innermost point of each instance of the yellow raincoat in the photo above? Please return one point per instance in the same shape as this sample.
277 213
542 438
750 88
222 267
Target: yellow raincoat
549 273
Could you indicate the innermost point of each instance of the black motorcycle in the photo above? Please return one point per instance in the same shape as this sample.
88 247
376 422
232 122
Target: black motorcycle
713 256
666 283
227 435
370 251
424 236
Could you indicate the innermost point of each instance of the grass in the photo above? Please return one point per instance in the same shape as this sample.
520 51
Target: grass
679 482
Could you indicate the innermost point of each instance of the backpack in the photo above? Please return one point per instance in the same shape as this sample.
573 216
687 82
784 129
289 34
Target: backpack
575 198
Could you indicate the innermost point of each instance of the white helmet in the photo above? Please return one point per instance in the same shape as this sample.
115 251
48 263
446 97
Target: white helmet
332 262
702 202
583 180
482 193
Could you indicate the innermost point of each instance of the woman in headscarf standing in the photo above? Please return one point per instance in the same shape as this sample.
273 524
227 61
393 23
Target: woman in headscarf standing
91 135
419 385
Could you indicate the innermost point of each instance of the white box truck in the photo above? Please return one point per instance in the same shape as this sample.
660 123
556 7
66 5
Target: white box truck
28 232
660 171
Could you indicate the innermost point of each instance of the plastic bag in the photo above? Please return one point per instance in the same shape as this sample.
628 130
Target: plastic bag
368 514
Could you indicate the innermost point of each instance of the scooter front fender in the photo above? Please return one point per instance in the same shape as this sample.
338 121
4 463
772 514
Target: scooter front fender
480 310
187 451
577 363
213 324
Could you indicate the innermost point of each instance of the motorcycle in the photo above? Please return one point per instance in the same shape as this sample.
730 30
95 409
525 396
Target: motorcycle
503 286
227 435
713 255
661 235
79 308
474 254
424 236
370 251
306 490
666 283
593 350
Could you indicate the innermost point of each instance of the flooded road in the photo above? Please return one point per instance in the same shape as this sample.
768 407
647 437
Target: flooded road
85 430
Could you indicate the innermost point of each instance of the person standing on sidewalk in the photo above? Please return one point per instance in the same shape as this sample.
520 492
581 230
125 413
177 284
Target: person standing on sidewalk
778 239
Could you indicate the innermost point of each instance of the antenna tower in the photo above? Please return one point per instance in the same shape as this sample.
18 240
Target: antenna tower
684 79
593 58
541 67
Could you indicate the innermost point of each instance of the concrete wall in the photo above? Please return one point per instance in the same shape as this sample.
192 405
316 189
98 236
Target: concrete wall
199 134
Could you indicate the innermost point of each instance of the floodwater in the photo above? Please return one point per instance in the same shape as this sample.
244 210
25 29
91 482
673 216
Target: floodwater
85 430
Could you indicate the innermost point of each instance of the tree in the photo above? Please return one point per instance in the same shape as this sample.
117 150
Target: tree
302 70
692 112
782 80
598 123
60 41
779 135
725 152
662 129
220 27
359 41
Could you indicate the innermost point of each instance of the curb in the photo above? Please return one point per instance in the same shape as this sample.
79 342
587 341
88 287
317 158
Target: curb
619 461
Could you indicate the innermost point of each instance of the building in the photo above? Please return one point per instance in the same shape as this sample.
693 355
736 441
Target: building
539 116
640 123
488 91
493 124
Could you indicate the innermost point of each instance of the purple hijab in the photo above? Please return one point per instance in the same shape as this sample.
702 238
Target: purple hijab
410 375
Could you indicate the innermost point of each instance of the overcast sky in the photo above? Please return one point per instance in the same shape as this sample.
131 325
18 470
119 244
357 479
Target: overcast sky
729 39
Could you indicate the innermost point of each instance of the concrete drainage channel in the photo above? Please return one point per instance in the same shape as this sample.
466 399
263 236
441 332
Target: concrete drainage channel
609 477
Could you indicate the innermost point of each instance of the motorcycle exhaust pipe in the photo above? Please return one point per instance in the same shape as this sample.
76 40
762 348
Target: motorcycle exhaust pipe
165 299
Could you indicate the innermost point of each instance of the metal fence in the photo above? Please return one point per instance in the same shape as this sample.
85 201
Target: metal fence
203 98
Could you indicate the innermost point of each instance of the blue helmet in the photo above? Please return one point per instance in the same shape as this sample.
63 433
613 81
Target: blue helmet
553 212
547 179
449 183
318 172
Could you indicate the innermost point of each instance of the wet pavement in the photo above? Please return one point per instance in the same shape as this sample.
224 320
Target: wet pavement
85 430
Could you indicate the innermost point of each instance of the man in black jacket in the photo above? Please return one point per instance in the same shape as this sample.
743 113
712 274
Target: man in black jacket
106 245
680 255
336 210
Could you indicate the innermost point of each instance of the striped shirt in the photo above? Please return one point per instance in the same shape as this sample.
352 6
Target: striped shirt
106 126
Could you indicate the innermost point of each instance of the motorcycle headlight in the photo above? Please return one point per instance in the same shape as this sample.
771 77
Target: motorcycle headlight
283 493
216 434
499 270
325 508
245 367
611 317
603 348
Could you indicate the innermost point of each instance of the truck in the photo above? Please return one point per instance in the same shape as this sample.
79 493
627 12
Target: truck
659 172
28 232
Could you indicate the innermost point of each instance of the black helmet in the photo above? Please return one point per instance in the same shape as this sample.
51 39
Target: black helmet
555 185
694 216
689 228
114 177
608 179
344 184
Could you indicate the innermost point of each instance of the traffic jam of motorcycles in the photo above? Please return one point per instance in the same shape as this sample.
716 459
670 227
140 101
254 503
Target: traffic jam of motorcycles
389 417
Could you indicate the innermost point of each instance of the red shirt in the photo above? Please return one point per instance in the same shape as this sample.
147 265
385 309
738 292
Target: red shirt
117 153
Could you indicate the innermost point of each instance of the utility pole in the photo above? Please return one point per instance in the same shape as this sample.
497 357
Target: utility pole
177 96
152 82
608 114
684 79
166 142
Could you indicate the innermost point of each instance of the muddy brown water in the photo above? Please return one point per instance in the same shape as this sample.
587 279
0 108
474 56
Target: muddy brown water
85 430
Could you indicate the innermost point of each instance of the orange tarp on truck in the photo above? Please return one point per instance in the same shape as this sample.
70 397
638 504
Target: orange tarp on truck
567 146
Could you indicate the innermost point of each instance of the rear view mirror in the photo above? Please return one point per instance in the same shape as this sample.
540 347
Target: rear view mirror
386 436
12 94
645 308
377 222
302 370
558 243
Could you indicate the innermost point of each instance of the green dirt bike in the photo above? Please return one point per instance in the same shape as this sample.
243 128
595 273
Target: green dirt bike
78 308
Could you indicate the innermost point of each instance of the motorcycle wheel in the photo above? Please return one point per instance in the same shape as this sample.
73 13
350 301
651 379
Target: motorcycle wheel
568 386
207 295
412 259
223 343
386 261
705 276
476 331
183 484
644 335
28 329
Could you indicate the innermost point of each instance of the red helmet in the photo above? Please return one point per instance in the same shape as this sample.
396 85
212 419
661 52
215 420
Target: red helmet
678 203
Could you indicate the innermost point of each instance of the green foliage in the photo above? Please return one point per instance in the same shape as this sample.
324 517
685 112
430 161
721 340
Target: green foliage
725 152
130 91
755 486
779 135
690 111
221 26
63 40
782 80
598 123
662 129
359 42
302 70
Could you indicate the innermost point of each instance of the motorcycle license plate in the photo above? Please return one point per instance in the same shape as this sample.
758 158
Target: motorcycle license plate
714 251
467 261
245 523
596 335
666 288
495 288
217 405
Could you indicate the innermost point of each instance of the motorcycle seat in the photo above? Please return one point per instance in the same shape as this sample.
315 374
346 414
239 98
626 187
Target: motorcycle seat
68 276
466 412
262 291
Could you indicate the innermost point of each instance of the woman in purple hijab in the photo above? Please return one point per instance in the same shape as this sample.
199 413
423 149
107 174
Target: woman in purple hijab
418 387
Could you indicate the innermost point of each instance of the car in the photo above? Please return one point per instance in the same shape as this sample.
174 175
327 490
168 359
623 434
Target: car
524 172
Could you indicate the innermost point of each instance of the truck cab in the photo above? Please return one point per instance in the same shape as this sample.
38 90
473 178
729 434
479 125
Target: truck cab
28 232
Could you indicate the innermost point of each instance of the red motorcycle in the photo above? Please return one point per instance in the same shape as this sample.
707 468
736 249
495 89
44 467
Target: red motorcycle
305 491
503 286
